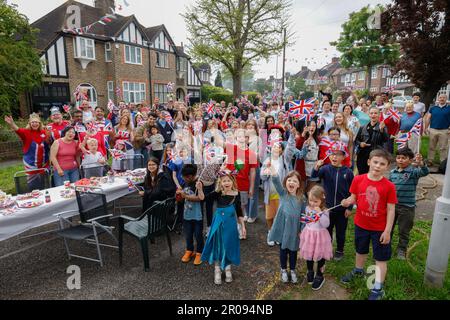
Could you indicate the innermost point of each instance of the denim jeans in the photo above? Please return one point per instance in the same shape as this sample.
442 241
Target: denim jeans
254 201
69 175
193 228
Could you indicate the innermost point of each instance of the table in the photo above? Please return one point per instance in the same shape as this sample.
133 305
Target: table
27 219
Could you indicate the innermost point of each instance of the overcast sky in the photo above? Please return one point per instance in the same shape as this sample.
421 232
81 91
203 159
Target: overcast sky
315 23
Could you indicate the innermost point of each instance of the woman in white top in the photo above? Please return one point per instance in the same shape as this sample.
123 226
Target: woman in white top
312 143
352 121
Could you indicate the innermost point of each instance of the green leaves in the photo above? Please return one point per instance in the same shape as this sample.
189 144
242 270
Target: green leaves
20 66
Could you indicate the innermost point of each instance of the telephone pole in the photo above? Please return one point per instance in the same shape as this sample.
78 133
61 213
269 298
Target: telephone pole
284 66
439 247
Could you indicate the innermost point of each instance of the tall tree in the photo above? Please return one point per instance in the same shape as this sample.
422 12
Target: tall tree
361 46
235 33
247 78
422 28
296 85
218 81
20 67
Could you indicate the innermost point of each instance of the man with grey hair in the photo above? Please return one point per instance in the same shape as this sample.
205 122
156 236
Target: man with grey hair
437 125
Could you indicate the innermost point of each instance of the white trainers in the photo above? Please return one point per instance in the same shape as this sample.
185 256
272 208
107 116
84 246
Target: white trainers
241 237
217 276
284 276
245 218
293 277
270 243
228 275
207 231
251 220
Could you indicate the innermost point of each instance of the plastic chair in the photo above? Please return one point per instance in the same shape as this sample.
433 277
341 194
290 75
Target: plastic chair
94 220
150 224
29 180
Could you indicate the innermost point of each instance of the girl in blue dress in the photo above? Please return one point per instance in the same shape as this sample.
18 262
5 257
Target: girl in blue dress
222 245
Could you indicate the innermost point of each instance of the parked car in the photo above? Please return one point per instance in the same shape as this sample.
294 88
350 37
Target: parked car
400 101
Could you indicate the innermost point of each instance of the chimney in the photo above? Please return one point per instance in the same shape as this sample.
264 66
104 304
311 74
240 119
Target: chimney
104 5
335 60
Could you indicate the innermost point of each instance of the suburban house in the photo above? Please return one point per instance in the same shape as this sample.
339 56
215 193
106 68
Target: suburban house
117 60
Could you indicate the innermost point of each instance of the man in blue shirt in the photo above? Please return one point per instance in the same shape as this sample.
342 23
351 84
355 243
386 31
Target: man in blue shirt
437 124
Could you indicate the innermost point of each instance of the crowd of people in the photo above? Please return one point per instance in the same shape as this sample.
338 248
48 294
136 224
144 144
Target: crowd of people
311 173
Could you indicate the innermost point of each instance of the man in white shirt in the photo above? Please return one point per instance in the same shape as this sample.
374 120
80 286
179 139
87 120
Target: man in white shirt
419 107
327 115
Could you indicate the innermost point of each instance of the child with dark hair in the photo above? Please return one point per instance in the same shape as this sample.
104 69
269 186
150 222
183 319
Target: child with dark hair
405 177
192 216
156 141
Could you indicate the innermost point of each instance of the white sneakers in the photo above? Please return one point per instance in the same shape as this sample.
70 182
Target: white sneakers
228 275
207 231
241 237
284 276
251 220
270 243
245 218
218 275
293 277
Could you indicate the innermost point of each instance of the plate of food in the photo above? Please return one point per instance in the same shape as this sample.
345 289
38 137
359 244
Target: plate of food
30 204
29 196
7 203
67 193
139 172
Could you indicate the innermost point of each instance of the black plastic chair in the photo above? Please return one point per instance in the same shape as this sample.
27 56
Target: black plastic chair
29 180
94 220
152 223
132 162
93 171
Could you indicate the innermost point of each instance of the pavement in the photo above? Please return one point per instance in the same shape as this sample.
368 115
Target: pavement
39 271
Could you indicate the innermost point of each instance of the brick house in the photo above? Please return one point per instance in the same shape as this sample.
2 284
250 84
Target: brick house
119 60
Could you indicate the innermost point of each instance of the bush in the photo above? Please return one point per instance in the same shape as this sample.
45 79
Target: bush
251 95
207 91
219 96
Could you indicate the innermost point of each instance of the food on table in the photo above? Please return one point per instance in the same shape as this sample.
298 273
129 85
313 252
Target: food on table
30 204
67 193
7 202
28 196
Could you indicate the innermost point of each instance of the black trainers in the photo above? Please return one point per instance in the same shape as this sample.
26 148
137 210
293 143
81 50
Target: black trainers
338 255
310 277
318 282
376 294
350 276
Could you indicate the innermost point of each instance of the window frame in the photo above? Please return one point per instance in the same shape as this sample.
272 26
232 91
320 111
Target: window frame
108 51
78 47
110 91
130 93
130 55
159 55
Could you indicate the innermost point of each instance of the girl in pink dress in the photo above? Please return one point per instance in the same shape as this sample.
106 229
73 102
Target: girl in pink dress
315 240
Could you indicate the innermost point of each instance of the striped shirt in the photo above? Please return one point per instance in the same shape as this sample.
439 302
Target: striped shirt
405 182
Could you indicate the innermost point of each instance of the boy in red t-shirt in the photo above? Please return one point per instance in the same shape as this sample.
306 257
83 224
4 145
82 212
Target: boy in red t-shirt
375 197
243 160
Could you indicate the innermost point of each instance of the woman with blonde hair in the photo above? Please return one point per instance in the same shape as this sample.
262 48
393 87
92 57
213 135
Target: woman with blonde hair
346 136
124 132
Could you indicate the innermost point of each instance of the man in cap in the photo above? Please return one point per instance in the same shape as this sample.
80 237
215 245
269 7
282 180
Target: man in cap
57 125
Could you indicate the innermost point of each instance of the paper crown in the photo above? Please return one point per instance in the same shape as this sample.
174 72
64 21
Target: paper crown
337 146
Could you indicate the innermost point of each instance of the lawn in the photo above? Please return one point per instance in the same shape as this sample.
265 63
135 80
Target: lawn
7 178
404 279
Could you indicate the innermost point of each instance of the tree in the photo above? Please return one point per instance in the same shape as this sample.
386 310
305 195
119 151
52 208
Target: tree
296 85
248 76
20 66
218 81
361 46
235 33
422 28
261 85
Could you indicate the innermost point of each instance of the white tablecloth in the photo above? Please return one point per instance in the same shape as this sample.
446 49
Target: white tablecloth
27 219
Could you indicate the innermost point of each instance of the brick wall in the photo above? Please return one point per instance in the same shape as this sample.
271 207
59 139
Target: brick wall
11 150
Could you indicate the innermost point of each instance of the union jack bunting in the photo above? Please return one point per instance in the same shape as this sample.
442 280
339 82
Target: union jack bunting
402 140
417 128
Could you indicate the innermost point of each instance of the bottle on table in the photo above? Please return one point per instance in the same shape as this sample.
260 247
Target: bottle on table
47 197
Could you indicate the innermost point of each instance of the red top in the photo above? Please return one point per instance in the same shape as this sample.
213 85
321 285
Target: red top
67 155
55 129
300 163
250 161
372 198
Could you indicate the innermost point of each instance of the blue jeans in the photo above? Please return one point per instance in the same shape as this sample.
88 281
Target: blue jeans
69 175
193 228
254 201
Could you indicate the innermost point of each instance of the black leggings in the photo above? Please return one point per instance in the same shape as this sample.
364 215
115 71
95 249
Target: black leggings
292 258
320 264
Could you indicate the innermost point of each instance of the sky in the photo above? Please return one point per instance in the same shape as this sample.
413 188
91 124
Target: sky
315 25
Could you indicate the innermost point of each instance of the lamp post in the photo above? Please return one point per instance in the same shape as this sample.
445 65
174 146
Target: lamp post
439 247
284 66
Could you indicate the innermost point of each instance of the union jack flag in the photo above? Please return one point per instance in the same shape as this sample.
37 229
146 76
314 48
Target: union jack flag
66 108
210 107
168 117
187 98
197 126
417 128
320 122
91 126
326 142
110 105
273 139
117 154
402 140
394 114
301 107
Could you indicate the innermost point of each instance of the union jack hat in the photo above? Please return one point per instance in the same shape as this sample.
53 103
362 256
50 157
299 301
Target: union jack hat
337 146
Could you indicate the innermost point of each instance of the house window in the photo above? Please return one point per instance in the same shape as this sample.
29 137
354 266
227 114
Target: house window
374 72
134 92
386 72
108 52
182 64
84 48
353 78
373 89
133 55
361 75
162 60
110 86
90 92
161 92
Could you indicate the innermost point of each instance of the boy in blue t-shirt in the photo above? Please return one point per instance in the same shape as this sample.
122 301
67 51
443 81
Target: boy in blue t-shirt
192 216
405 178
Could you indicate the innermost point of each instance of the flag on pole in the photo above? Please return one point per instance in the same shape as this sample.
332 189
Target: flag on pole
394 114
210 107
326 142
168 117
117 154
402 140
110 105
417 128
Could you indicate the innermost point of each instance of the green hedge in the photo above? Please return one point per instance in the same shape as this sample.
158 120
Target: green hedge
219 96
251 95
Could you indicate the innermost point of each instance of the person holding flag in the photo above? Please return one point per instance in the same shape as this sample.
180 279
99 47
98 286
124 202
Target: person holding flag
57 125
407 121
391 118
